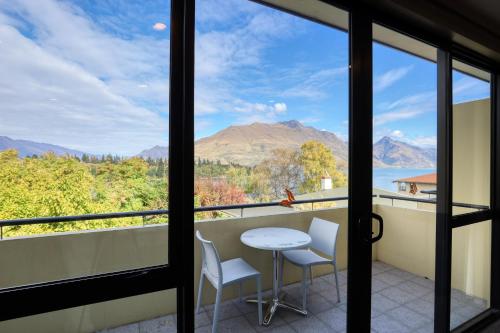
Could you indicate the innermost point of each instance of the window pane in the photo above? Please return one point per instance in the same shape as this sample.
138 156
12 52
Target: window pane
471 138
271 114
271 104
404 162
83 130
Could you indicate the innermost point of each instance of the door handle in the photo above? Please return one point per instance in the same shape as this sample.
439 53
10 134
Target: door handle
380 227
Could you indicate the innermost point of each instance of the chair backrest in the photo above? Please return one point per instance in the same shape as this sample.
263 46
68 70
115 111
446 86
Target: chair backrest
323 236
210 259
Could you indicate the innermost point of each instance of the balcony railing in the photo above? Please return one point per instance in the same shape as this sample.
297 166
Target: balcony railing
241 207
431 201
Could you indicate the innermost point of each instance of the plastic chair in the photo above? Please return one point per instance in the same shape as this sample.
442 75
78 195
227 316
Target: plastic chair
221 274
323 239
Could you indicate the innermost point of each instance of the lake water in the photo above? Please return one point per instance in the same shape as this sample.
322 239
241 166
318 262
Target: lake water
383 177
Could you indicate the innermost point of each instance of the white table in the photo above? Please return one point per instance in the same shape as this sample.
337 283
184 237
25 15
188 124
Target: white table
276 240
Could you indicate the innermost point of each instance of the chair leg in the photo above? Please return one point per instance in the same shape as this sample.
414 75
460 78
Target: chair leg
282 264
304 287
216 310
259 298
311 273
200 292
337 282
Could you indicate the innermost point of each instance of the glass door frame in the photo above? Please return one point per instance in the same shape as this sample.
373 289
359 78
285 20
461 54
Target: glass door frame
360 181
445 220
359 244
179 272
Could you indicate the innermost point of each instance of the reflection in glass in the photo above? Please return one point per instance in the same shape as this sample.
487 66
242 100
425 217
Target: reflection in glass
470 274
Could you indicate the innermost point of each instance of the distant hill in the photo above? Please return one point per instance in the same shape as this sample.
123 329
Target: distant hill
251 144
29 148
155 153
390 152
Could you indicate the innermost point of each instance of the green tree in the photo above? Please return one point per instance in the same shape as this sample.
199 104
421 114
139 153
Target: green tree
238 176
317 160
45 186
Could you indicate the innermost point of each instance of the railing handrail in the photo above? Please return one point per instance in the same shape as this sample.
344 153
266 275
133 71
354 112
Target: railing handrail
103 216
431 201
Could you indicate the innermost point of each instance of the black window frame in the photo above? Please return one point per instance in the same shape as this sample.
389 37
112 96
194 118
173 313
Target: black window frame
179 272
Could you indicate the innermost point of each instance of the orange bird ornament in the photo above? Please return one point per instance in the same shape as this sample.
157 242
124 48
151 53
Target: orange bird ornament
290 199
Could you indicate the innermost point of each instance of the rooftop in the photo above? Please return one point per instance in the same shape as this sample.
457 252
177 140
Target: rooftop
430 178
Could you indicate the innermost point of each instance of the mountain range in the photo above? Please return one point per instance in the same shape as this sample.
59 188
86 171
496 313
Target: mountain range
249 145
388 152
30 148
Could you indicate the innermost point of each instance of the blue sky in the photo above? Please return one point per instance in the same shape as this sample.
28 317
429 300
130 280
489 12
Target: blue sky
93 75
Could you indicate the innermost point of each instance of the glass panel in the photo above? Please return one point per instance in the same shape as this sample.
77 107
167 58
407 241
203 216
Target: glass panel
470 274
471 139
404 162
152 312
84 130
271 114
259 102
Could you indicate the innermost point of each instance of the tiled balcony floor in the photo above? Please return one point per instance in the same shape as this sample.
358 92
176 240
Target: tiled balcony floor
401 302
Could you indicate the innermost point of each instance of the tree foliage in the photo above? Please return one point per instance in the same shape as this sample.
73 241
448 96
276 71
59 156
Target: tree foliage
317 161
51 185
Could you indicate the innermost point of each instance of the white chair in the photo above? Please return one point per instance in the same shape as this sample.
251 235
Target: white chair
221 274
323 239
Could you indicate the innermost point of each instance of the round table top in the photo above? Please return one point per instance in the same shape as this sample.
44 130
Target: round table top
275 238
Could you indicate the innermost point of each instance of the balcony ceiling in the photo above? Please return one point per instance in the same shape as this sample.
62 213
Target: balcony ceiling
484 13
321 11
474 24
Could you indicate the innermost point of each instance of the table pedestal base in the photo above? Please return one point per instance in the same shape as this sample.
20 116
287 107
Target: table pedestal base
272 307
277 300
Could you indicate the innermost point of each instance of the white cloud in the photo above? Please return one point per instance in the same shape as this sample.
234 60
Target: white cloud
407 107
159 26
424 141
388 117
75 85
397 134
280 107
221 53
245 107
390 77
223 11
470 88
314 85
224 56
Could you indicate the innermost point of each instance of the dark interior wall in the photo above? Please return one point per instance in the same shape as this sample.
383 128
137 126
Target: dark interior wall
473 24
